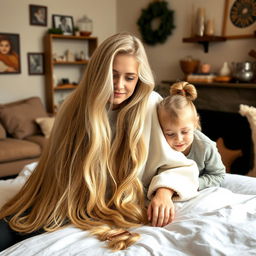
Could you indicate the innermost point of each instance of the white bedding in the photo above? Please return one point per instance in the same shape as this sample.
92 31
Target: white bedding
216 222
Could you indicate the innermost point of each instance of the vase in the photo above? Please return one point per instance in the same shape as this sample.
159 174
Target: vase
225 70
200 22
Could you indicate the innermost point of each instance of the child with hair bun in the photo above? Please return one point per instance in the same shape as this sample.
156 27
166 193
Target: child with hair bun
180 124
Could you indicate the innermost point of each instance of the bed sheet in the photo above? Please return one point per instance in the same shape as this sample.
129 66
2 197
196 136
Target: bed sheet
216 222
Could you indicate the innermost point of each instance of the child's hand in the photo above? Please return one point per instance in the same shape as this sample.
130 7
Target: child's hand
161 208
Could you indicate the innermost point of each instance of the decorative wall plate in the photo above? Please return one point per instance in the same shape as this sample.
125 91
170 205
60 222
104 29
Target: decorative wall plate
239 19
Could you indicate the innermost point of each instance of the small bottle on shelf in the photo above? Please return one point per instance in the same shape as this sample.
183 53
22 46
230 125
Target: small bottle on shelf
210 30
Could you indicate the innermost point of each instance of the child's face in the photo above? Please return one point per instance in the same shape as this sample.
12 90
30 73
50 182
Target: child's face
5 47
178 133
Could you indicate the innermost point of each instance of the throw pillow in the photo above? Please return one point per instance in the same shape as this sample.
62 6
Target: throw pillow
19 117
46 124
2 132
228 156
250 113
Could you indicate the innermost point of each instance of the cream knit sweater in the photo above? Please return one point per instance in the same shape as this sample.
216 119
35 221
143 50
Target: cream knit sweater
164 166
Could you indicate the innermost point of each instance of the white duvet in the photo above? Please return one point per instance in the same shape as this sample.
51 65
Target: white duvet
216 222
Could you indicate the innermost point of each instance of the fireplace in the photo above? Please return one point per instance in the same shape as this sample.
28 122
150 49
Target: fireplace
235 131
218 107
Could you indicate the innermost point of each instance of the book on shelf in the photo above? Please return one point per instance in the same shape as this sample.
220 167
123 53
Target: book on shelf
201 77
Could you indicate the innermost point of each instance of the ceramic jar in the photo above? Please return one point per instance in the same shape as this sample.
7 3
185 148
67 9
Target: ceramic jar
85 26
225 70
205 68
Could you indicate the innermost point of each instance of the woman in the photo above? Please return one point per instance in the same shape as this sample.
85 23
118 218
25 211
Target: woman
8 58
106 150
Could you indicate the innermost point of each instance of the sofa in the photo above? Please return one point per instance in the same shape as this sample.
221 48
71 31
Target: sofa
24 129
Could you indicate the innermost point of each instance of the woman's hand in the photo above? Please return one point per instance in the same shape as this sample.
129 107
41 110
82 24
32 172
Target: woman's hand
161 208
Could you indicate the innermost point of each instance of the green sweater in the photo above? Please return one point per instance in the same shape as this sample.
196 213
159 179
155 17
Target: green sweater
205 153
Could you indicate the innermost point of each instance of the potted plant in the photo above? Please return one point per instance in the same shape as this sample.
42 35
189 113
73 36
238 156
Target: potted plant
76 31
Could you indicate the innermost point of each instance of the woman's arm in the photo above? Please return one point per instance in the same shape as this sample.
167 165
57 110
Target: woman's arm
166 167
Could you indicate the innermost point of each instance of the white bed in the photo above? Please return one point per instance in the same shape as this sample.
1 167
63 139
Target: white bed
216 222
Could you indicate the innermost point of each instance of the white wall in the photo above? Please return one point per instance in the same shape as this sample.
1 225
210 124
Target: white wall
164 58
108 17
14 18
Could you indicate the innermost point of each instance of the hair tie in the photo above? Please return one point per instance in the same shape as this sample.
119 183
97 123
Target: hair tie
182 92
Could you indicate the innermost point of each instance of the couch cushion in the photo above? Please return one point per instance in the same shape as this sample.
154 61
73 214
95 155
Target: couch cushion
2 132
38 139
15 167
14 149
46 124
19 117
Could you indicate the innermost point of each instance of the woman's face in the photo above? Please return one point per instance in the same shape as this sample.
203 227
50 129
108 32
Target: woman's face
5 47
125 77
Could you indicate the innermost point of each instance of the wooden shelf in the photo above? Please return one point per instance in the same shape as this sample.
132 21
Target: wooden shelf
65 87
80 62
56 94
204 40
64 37
218 84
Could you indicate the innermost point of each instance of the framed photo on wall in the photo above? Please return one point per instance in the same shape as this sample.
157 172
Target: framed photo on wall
35 63
10 53
239 19
38 15
65 23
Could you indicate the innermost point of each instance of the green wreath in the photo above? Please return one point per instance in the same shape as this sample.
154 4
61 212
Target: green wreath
156 10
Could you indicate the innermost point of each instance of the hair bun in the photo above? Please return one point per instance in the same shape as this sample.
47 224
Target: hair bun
184 89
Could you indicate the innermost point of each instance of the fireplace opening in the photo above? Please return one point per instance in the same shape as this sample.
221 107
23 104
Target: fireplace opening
234 131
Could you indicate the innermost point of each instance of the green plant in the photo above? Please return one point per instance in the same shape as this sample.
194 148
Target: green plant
55 31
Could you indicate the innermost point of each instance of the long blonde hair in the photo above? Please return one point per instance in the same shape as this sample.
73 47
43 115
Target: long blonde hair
83 160
182 95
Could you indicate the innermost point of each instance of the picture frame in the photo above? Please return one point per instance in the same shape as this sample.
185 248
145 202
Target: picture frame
239 19
64 23
10 54
38 15
35 63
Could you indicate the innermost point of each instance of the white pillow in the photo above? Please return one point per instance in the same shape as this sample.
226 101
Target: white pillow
240 184
9 188
46 124
250 114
